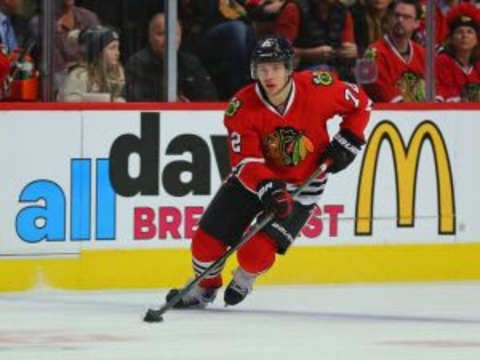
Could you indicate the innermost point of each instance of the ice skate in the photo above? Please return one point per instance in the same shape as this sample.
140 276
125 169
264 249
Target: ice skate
197 298
240 286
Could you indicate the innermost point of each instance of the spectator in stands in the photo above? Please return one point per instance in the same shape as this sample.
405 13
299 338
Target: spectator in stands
400 62
284 20
70 20
144 70
441 27
8 36
441 30
370 21
457 67
220 33
100 77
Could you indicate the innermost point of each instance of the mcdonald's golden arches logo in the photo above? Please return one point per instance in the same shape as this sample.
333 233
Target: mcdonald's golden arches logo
406 159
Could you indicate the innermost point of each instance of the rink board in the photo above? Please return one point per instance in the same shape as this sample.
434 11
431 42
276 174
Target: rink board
117 269
97 197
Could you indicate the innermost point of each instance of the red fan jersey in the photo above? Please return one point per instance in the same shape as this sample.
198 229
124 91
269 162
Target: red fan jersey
4 66
454 82
441 27
265 143
4 71
398 79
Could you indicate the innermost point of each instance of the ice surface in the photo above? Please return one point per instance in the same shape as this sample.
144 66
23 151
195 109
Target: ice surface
431 321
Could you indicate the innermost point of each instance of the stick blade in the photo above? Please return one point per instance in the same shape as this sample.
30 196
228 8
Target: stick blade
152 316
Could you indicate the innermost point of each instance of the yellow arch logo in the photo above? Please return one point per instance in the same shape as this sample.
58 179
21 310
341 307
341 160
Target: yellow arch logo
406 160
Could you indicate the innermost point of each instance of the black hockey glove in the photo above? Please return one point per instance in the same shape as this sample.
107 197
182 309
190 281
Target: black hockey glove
275 197
342 150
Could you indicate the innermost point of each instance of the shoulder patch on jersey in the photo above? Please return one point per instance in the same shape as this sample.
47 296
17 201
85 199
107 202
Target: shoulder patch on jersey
322 78
371 53
233 106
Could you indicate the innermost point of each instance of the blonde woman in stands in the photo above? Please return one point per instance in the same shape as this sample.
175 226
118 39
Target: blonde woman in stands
100 77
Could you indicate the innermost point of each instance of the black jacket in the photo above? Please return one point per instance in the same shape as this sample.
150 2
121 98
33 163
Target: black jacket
144 78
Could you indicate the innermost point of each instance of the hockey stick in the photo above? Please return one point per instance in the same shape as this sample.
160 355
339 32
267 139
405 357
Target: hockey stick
153 315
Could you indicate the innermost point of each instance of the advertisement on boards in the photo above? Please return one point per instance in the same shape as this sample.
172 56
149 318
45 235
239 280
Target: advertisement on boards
77 180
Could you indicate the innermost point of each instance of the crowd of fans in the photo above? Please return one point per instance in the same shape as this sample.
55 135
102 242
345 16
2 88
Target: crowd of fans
379 44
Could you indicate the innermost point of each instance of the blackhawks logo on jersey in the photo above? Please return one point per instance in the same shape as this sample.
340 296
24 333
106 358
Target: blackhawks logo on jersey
471 92
322 78
233 107
412 87
287 146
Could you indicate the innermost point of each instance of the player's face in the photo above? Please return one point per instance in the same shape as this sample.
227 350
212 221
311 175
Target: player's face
464 38
273 76
403 20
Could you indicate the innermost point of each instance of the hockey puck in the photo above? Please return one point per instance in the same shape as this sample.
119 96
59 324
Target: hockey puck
152 316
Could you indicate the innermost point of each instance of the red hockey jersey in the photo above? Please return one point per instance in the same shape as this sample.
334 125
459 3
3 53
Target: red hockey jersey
266 144
398 80
455 83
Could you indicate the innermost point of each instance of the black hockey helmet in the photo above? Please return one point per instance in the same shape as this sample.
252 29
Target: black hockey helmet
271 49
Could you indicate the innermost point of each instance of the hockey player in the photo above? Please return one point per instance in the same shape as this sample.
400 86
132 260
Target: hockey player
277 137
400 61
